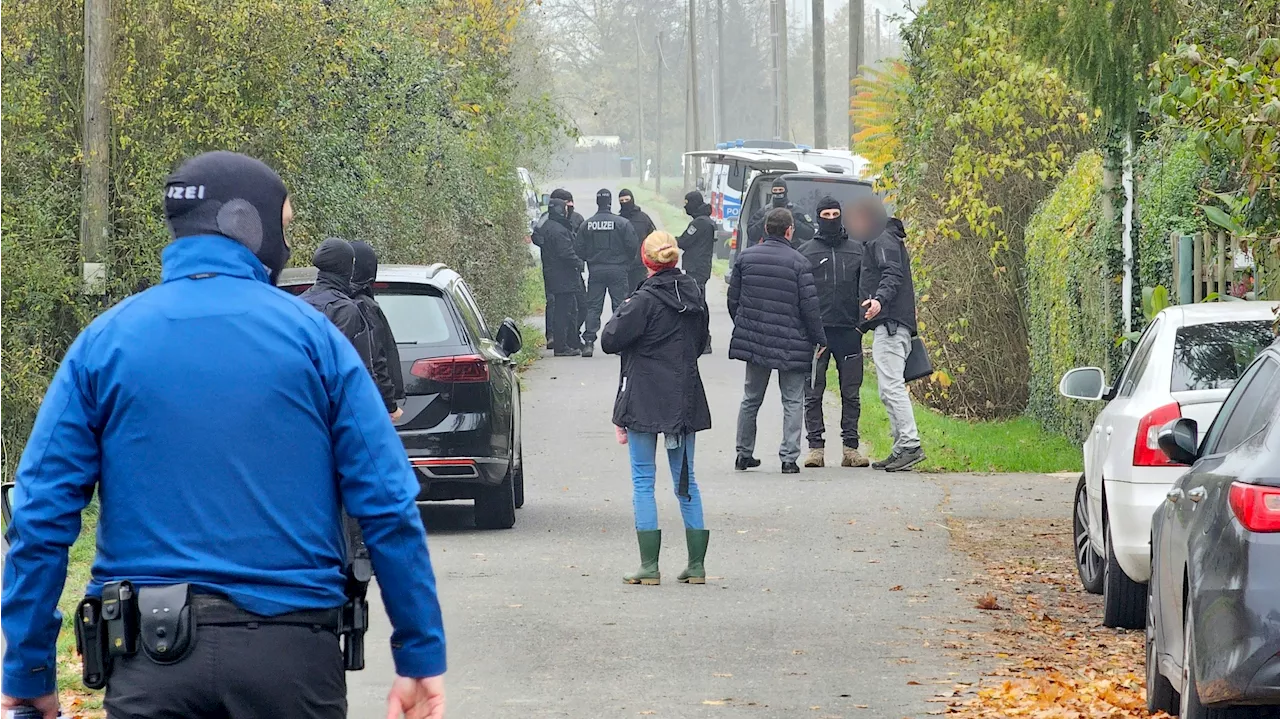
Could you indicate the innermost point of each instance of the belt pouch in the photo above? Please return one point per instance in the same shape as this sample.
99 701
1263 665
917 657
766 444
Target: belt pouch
167 622
120 618
91 643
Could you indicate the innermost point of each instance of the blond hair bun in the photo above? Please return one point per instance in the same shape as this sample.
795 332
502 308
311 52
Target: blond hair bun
660 248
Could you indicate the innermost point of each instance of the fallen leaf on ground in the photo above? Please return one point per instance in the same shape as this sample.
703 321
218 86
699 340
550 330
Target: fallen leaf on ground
722 676
896 588
910 528
988 602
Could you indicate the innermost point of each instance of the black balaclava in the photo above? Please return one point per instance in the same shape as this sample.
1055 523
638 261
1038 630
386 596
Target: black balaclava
229 194
626 207
563 194
335 259
364 269
558 210
604 200
867 218
779 199
830 229
694 205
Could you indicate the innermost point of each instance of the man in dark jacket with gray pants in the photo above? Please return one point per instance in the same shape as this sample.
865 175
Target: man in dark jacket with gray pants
890 304
777 325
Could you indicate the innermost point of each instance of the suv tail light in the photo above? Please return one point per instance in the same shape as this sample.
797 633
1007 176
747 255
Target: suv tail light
466 368
733 241
1146 447
1257 507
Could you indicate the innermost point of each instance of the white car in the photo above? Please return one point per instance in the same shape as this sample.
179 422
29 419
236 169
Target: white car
1184 365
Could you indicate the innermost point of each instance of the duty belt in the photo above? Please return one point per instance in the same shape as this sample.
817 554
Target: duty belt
214 611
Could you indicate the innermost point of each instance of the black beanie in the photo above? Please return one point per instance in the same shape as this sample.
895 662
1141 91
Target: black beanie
604 199
561 194
335 256
229 194
365 266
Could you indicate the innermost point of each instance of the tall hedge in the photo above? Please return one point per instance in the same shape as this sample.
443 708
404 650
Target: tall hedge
1168 174
1073 296
391 121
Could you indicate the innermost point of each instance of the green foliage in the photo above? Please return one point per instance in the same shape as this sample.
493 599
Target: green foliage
1168 174
987 136
1073 296
391 121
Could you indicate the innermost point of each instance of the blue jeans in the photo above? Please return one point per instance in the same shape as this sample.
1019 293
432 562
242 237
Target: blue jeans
643 448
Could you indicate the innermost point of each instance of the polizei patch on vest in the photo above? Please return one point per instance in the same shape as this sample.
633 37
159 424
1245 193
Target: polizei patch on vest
599 224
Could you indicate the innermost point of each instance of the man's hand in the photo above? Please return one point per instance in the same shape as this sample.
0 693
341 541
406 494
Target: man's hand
47 704
873 308
396 415
819 351
414 698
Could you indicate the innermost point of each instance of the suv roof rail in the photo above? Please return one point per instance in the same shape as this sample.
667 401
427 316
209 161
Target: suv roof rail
435 268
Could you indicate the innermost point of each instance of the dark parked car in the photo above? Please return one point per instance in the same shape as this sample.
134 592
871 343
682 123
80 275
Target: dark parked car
804 190
461 423
1213 610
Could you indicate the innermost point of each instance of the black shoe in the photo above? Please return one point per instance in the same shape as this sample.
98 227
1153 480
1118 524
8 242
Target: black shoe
568 353
588 349
707 349
790 468
743 463
551 346
882 463
906 460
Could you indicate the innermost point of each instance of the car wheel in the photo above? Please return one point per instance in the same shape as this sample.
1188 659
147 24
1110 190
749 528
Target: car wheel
1124 601
1088 562
518 478
496 506
1161 696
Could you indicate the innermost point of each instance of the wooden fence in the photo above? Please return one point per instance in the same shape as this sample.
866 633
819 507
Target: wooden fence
1203 263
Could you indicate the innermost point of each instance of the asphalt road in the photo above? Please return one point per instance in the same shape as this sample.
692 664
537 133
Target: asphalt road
828 592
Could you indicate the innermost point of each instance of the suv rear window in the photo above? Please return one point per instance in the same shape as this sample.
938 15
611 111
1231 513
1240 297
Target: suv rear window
423 319
805 193
1213 356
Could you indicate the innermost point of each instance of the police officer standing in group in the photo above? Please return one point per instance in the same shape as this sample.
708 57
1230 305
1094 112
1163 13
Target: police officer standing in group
837 264
386 356
224 425
575 221
609 245
698 243
643 225
804 229
562 274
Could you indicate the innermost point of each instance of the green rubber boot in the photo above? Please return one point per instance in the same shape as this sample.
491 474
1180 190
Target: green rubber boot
696 539
650 546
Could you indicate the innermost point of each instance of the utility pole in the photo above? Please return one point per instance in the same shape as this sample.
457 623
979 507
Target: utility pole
640 102
782 68
879 55
657 159
855 56
723 127
819 74
773 70
691 137
95 225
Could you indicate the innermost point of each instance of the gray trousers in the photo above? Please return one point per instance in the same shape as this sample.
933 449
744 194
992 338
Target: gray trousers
236 672
792 385
889 352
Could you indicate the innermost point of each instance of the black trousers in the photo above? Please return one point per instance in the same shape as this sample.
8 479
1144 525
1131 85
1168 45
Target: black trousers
236 672
549 316
845 345
567 311
611 279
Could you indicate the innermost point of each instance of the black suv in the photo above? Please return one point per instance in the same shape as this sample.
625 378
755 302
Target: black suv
461 423
804 189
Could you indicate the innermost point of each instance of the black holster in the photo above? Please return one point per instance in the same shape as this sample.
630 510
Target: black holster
355 613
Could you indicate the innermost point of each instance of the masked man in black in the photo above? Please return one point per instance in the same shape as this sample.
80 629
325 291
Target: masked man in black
562 273
698 243
804 229
837 264
386 356
331 295
643 225
575 221
609 245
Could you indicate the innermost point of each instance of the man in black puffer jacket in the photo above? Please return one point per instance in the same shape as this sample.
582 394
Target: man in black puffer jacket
777 325
643 225
837 264
890 304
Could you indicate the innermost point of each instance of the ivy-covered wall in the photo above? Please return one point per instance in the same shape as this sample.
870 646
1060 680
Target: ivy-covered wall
1073 296
1168 174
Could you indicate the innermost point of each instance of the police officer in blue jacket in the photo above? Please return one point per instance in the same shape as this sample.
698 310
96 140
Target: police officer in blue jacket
225 425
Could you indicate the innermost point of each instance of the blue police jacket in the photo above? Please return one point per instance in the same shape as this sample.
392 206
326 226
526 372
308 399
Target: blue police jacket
224 423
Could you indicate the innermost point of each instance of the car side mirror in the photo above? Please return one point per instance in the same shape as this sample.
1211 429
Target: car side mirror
1180 441
6 490
509 338
1086 383
544 199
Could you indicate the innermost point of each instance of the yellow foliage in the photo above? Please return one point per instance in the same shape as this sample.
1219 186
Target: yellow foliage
875 109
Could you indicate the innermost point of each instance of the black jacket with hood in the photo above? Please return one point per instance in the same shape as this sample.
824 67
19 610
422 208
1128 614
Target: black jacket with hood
660 333
561 267
607 240
699 240
331 295
388 374
837 266
886 276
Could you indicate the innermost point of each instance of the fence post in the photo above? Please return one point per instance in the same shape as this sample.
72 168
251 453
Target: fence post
1222 263
1175 252
1197 265
1186 268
